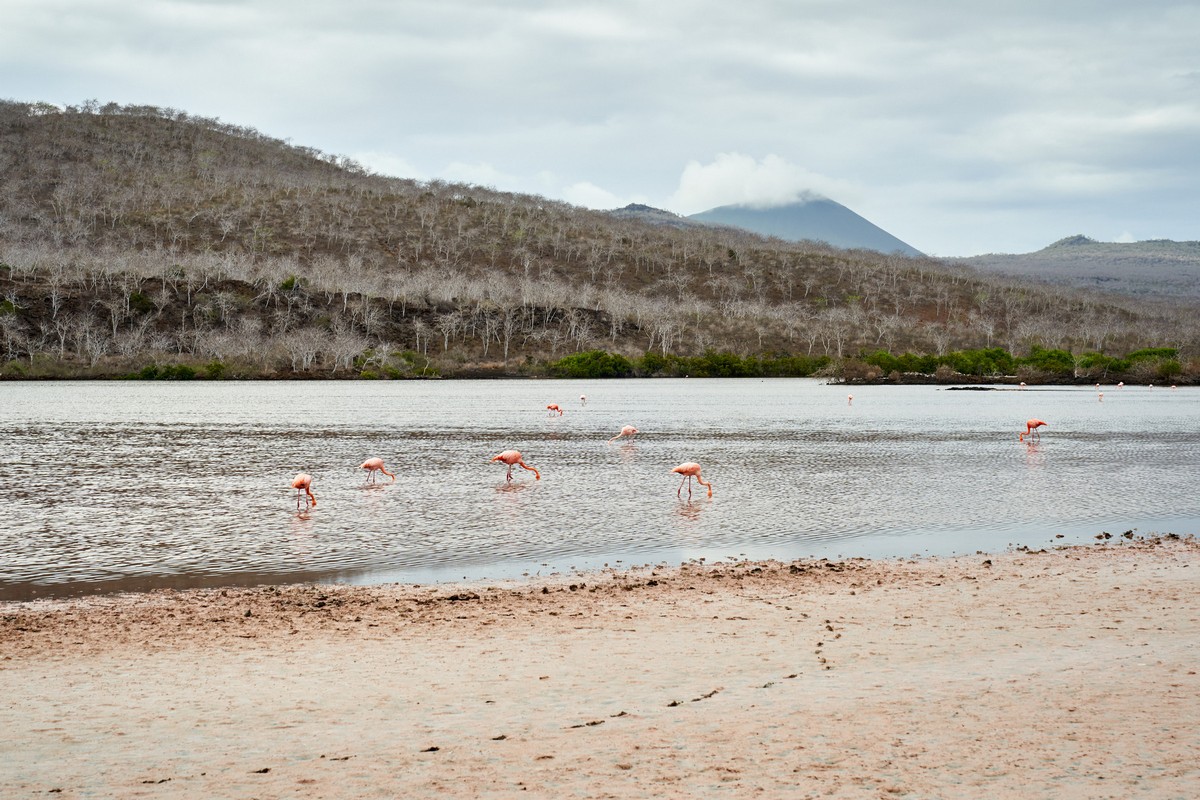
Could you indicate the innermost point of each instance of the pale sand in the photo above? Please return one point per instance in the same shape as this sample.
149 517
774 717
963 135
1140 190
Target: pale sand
1064 674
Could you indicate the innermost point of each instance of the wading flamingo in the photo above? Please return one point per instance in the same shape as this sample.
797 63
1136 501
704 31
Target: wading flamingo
849 399
1031 429
373 465
554 407
302 483
628 430
513 459
1120 384
583 399
690 470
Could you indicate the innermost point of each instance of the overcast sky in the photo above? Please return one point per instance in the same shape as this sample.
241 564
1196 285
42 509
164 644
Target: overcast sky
959 127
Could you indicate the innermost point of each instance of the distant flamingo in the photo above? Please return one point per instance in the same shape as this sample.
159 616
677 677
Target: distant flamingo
1120 384
513 459
1022 384
302 483
628 430
554 407
373 465
690 470
1031 428
1102 397
583 399
849 399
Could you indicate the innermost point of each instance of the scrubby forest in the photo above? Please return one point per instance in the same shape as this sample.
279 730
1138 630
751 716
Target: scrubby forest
144 242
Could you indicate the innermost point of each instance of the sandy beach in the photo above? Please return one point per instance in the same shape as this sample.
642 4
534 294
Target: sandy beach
1069 673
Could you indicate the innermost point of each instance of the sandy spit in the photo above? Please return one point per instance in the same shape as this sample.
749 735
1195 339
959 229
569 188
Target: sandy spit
1069 673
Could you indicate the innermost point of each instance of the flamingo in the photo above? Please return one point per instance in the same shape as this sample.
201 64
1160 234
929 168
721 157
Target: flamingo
373 465
1031 427
628 430
554 407
583 399
1102 397
849 399
690 470
1120 384
513 459
1022 384
302 483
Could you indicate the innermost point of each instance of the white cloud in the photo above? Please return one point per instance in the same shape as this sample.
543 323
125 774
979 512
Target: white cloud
735 178
589 195
480 174
389 164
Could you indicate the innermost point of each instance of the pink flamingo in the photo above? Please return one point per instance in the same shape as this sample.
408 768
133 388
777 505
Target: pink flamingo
849 399
690 470
513 459
1120 384
554 407
1031 427
1022 385
302 483
583 399
628 430
373 465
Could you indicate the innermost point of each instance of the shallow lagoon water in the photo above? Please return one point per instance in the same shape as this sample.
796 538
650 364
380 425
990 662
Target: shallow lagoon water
110 486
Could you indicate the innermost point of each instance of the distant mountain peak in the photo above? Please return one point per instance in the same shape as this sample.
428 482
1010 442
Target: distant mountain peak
651 215
810 217
1073 241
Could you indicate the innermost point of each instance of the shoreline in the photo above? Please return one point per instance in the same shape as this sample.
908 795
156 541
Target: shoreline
1051 673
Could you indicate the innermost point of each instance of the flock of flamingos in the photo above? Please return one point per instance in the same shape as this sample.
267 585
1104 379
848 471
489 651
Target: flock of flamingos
305 498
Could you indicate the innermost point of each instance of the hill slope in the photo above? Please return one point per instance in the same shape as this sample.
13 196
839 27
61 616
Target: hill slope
817 219
136 237
1155 268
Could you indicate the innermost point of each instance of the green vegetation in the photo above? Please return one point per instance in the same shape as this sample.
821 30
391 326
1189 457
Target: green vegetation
1043 365
592 364
165 372
600 364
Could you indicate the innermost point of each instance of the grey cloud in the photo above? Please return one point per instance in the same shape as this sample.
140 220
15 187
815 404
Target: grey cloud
992 126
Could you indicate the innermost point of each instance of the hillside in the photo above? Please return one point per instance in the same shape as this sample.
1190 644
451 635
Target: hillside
817 219
136 238
1151 269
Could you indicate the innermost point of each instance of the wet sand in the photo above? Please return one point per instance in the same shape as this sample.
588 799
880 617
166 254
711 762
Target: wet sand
1069 673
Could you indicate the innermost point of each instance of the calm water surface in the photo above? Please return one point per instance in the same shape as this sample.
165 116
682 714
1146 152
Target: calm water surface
116 486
